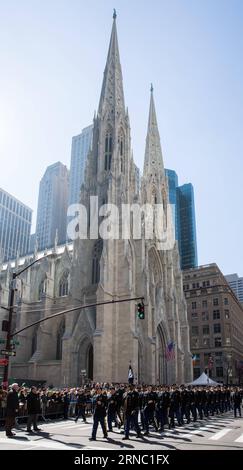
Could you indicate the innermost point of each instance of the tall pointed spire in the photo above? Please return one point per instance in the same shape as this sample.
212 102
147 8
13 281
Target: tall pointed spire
112 96
153 161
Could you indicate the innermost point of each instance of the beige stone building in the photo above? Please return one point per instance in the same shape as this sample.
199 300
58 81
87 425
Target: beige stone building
216 324
104 340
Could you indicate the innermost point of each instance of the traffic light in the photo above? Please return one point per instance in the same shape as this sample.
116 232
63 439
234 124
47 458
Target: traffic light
141 314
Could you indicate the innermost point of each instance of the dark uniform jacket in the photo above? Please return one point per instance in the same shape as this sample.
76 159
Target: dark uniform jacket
33 403
12 403
131 402
100 402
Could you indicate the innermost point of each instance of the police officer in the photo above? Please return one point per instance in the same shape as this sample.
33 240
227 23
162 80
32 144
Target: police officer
100 402
112 408
131 408
150 399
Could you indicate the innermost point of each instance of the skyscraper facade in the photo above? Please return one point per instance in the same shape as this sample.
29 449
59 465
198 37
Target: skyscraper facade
186 220
52 206
183 208
172 186
236 284
80 146
15 226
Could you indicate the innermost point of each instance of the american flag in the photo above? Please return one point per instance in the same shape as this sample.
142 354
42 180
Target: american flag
170 351
210 362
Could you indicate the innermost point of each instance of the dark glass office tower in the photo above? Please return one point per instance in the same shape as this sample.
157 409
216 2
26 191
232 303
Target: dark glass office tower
186 221
173 185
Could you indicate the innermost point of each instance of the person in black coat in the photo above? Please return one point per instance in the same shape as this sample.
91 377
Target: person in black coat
12 409
33 408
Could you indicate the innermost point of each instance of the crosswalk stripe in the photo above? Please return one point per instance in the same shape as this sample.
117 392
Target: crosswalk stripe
239 439
220 434
37 443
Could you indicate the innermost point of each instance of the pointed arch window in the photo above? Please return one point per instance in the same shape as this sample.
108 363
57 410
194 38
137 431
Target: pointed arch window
108 150
64 284
96 261
34 343
42 288
60 333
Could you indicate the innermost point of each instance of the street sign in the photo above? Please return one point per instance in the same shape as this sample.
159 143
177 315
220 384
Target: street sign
14 341
5 352
2 341
3 362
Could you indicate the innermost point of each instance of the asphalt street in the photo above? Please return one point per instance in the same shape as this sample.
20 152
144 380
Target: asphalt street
215 433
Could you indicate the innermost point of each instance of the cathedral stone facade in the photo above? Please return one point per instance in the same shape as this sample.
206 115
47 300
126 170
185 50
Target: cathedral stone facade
103 340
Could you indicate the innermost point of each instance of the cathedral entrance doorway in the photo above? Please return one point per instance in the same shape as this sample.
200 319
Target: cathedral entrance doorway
85 361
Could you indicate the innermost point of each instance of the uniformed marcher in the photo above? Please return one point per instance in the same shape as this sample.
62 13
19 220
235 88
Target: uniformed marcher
131 408
100 403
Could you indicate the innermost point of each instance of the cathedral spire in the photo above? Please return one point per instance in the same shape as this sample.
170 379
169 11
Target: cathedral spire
153 161
112 96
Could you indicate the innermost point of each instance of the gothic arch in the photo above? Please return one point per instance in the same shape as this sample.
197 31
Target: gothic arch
64 284
160 361
42 289
96 255
60 333
34 342
85 359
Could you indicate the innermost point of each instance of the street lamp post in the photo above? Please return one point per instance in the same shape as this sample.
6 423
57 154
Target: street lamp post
10 318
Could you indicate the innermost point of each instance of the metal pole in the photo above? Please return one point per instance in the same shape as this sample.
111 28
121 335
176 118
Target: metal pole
10 318
8 339
74 309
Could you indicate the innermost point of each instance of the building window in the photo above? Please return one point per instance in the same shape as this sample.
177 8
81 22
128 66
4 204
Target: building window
204 303
205 316
219 372
194 305
42 288
206 359
34 343
218 357
195 330
227 341
226 301
97 251
206 342
216 314
64 285
226 314
194 315
218 342
217 328
215 302
195 342
206 330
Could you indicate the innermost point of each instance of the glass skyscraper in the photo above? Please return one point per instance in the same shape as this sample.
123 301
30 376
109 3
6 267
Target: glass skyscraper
186 220
52 206
173 185
182 199
80 146
236 284
15 226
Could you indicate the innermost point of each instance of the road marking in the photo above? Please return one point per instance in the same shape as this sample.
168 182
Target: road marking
239 439
50 445
220 434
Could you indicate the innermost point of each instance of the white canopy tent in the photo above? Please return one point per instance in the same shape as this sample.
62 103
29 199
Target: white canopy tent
204 380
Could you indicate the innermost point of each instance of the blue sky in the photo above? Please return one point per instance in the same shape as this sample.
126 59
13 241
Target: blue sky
52 57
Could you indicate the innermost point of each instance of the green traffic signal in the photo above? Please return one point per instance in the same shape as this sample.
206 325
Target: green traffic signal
141 314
